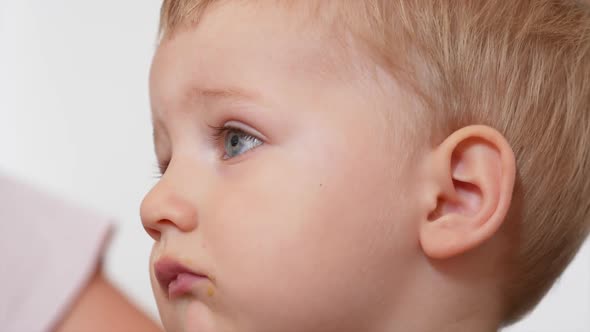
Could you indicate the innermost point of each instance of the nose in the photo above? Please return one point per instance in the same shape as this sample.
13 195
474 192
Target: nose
167 205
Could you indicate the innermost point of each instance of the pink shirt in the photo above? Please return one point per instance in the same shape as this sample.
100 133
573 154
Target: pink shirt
48 251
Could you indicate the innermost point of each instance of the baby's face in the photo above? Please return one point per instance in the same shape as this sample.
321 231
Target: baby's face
299 213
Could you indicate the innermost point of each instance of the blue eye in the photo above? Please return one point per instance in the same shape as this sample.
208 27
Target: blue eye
238 142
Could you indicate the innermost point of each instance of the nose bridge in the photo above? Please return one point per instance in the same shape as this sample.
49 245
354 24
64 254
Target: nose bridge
172 201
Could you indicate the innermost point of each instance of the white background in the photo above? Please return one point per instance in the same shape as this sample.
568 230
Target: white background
74 119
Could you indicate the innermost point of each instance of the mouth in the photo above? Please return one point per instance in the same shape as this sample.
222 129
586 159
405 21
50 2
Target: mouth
174 278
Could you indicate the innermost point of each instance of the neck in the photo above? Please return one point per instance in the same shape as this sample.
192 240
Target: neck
436 300
468 324
445 321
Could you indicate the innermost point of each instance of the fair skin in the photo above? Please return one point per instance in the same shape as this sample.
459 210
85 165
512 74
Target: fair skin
328 222
101 307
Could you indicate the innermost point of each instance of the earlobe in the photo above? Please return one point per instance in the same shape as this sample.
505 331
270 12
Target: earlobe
472 173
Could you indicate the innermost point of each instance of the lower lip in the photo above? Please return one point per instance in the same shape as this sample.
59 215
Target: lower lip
183 284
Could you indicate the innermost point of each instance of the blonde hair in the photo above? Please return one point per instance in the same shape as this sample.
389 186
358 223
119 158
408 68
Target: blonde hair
522 67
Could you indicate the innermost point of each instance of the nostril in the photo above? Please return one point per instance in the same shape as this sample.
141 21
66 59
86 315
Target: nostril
153 233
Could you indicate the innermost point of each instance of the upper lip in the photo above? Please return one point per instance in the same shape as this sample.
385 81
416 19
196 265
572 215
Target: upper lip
167 270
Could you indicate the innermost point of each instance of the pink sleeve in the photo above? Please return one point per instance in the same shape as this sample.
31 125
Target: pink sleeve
48 251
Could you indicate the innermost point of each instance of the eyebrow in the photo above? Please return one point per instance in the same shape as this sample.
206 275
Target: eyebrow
197 94
232 93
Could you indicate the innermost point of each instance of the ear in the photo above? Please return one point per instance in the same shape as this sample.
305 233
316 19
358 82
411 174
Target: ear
471 176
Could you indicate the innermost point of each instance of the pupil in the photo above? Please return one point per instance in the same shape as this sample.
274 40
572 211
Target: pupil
235 140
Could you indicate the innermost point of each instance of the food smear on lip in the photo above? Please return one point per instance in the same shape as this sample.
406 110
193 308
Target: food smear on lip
210 291
185 260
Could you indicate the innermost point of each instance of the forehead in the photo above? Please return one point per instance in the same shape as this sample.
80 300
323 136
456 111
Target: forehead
239 46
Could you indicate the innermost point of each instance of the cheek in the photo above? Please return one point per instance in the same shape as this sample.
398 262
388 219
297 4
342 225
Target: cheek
324 229
260 213
359 217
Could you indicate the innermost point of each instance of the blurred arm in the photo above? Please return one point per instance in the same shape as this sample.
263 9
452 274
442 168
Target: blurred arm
101 307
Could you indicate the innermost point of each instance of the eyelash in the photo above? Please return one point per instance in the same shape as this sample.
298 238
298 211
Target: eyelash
220 132
217 137
160 169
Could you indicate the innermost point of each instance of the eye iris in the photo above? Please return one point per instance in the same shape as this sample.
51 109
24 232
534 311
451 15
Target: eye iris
235 140
238 142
